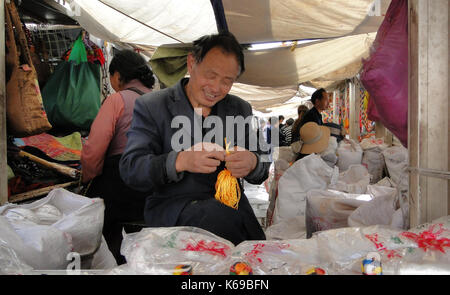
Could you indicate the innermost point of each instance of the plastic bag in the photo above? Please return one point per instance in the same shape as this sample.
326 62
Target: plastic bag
330 209
349 153
306 174
354 181
159 251
10 263
103 258
38 246
81 218
72 94
285 257
422 250
385 73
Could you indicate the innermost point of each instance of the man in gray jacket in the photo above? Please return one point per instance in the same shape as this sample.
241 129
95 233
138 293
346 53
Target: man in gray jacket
176 146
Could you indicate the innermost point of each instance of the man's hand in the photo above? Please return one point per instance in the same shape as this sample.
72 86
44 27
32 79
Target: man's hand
203 157
240 162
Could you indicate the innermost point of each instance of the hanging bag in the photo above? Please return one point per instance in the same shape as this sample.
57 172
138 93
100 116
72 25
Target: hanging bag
24 109
72 94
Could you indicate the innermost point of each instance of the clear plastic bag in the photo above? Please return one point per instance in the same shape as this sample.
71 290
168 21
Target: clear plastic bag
161 250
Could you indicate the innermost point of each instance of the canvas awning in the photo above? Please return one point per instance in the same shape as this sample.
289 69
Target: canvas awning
158 22
347 26
331 60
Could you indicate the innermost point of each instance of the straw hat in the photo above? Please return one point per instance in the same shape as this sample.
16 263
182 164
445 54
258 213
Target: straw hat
315 138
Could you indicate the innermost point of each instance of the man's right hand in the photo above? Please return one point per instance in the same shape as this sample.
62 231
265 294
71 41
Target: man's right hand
203 157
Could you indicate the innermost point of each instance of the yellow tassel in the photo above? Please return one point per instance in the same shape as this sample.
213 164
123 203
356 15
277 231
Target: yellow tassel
228 191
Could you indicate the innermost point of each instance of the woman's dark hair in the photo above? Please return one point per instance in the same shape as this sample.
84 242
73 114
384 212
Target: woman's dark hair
224 40
302 109
131 65
317 95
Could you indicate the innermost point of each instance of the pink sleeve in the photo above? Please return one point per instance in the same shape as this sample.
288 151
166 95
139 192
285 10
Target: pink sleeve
102 132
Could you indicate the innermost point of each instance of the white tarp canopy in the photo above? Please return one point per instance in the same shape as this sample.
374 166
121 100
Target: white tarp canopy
340 57
157 22
173 21
349 26
262 97
254 21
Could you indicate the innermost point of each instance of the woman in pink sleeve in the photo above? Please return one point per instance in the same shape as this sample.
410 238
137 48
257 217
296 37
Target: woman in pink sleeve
131 78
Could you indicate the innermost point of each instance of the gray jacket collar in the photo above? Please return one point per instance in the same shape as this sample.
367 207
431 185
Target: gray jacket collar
179 104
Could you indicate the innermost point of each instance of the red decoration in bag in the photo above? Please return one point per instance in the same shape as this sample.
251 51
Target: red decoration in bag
429 240
212 247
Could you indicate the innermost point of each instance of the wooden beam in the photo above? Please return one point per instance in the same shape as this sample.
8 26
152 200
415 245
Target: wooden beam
3 142
354 109
428 111
39 192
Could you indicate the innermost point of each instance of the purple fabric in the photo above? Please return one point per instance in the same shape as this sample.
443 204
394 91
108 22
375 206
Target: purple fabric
385 73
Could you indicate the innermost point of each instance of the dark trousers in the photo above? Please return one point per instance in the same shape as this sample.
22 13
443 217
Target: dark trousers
122 204
233 225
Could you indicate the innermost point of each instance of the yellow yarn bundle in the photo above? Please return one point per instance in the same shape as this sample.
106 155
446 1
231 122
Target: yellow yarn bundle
228 191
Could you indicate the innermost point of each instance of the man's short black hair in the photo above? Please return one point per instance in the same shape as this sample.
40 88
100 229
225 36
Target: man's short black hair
224 40
317 95
280 117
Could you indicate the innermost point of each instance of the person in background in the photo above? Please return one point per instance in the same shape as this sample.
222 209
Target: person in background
286 133
301 111
273 135
182 178
314 139
130 77
280 121
320 102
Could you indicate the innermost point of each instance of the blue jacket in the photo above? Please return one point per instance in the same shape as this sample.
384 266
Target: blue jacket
148 162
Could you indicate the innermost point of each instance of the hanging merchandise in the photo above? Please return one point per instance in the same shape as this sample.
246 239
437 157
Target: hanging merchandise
94 54
385 73
24 109
72 94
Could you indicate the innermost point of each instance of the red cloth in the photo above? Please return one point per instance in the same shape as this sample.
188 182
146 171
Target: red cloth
385 73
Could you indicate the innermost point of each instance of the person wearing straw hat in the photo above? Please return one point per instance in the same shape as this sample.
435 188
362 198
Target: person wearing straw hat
314 139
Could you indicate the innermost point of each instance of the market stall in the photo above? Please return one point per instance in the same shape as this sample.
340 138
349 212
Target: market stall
374 206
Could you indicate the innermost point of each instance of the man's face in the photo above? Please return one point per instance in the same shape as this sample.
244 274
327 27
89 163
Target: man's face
323 103
212 78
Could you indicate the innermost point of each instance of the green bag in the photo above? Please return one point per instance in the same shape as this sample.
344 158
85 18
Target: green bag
72 94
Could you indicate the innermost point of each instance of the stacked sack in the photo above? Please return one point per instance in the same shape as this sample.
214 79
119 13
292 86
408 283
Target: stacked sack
41 234
283 158
373 157
349 153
